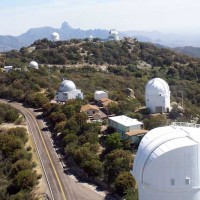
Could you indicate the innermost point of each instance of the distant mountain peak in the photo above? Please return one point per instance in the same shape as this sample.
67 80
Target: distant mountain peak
65 25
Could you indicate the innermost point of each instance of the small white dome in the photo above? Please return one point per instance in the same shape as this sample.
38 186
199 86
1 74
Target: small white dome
113 32
156 87
67 86
55 36
33 64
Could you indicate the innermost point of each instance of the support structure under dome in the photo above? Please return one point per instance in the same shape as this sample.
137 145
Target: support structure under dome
67 90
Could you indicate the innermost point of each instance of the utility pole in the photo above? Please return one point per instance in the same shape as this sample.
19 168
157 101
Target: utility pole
182 98
49 73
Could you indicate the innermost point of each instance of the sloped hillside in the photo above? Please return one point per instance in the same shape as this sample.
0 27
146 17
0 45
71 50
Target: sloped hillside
80 61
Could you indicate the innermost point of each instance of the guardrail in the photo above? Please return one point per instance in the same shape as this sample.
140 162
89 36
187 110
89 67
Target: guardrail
186 124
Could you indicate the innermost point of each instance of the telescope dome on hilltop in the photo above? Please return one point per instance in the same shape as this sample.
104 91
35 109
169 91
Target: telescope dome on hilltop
157 86
157 96
67 90
67 86
34 64
113 35
55 36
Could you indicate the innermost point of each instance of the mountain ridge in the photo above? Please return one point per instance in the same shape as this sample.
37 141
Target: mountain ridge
66 32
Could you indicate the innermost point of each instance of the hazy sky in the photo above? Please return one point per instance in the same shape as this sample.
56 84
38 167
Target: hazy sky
175 16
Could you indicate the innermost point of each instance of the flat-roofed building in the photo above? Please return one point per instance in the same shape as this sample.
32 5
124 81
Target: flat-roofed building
123 125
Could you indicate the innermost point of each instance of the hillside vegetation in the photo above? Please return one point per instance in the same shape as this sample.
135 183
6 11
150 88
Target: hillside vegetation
94 65
17 175
112 66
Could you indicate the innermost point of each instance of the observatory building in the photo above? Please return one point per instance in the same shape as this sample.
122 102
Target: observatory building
34 65
55 37
113 35
166 166
100 94
8 68
67 90
157 96
90 38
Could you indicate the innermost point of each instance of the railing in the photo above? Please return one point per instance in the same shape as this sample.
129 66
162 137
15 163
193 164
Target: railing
186 124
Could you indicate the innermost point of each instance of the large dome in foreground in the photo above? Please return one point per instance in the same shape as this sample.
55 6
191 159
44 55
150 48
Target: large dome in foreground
167 166
67 86
157 86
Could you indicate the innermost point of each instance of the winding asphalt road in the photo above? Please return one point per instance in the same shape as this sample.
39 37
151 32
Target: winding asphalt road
61 185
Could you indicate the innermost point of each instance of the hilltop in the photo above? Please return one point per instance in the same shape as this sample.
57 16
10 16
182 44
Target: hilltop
66 32
189 50
92 65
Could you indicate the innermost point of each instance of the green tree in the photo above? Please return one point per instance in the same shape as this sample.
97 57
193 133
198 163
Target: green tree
113 141
155 121
19 132
123 182
93 168
131 194
115 162
9 144
11 115
19 166
83 154
24 180
56 117
22 195
69 111
81 118
70 138
113 108
60 126
21 154
92 138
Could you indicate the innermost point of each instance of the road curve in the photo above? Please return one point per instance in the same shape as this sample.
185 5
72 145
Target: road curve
62 186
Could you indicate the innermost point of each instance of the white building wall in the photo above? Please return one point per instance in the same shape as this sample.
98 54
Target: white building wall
166 177
153 101
64 96
8 68
100 94
135 127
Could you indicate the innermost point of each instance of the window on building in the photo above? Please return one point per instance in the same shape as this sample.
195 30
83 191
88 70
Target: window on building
187 180
172 181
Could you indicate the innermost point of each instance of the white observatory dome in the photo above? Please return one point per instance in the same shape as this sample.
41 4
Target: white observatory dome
34 65
67 86
113 32
90 38
113 35
55 36
167 165
157 86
